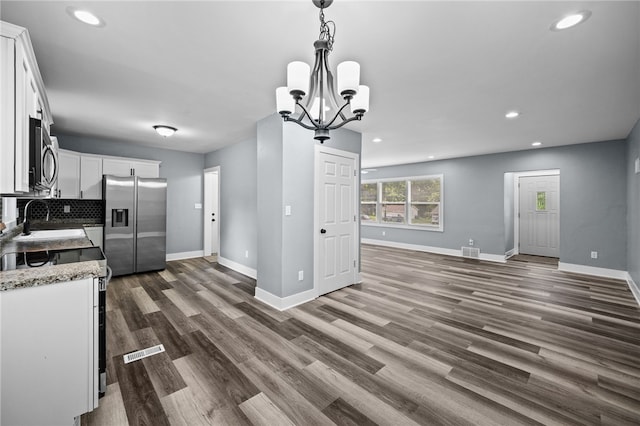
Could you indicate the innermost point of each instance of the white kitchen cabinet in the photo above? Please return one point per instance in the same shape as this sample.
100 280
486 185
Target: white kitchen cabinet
48 370
68 174
23 96
130 167
7 115
90 177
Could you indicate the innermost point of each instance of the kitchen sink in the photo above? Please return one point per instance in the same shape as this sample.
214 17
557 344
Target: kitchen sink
51 234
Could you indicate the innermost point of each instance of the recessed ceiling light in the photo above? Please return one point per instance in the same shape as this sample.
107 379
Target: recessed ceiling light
364 172
85 16
165 131
536 143
431 157
376 140
512 114
571 20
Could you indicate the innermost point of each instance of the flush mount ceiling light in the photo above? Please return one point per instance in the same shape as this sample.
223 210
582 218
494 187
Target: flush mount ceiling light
376 140
537 143
571 20
165 131
85 16
305 87
512 114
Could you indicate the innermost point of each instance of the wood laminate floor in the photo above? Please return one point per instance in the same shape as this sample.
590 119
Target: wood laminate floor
425 339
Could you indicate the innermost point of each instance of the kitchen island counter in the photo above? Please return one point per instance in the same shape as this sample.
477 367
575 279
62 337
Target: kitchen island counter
33 277
48 274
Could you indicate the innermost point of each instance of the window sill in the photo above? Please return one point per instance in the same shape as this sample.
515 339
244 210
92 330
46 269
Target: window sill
411 227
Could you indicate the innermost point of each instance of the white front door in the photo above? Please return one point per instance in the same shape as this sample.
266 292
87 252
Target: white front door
539 209
337 225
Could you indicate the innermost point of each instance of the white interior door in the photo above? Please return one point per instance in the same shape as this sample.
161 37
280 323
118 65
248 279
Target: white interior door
211 211
539 209
336 233
214 215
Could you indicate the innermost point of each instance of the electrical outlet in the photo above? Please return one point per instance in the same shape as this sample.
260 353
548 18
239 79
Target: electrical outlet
470 242
384 233
594 254
67 209
246 254
300 275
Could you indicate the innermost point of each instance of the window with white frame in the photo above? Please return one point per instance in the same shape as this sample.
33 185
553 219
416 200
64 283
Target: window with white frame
407 202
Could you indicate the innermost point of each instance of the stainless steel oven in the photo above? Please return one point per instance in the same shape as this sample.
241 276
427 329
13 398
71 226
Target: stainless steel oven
43 157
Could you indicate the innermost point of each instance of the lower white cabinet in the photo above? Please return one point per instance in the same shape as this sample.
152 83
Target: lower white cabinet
49 353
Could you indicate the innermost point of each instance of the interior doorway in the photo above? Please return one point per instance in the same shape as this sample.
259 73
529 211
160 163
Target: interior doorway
336 239
538 213
211 211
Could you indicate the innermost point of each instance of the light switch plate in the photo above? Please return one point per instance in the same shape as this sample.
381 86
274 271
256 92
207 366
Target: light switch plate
287 210
198 205
637 165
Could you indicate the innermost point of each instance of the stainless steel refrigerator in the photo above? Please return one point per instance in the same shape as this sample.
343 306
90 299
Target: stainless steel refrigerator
135 225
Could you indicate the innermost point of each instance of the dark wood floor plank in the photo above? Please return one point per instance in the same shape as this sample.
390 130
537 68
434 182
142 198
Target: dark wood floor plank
141 402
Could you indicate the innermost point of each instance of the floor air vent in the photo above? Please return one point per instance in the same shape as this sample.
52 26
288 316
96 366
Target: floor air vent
471 252
134 356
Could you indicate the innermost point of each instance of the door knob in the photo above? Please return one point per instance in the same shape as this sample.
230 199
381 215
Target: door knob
213 220
323 231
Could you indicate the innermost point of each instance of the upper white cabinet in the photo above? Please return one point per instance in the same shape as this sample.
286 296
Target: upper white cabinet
90 177
22 96
69 174
130 167
80 175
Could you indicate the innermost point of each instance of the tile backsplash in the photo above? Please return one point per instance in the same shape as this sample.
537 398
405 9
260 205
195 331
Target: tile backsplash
72 210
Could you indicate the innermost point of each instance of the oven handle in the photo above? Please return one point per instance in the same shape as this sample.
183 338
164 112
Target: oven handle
109 275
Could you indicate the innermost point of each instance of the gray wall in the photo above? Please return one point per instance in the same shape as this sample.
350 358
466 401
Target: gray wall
238 201
633 205
593 197
183 172
269 186
286 163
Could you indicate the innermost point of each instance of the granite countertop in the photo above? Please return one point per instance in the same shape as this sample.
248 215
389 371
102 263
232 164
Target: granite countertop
33 277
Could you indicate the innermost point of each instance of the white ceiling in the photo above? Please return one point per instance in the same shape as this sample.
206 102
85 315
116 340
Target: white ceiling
442 74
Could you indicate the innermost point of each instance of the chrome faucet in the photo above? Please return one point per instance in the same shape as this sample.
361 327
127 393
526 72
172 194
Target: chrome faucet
26 225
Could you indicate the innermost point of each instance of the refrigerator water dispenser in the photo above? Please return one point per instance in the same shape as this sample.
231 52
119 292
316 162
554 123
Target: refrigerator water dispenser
119 218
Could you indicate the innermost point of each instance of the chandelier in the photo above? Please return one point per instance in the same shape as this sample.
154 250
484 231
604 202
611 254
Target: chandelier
313 90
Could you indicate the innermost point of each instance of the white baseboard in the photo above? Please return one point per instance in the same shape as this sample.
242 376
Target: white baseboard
429 249
510 253
238 267
634 288
284 303
184 255
592 270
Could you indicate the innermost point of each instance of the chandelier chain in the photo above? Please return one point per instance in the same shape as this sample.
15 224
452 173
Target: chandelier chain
327 29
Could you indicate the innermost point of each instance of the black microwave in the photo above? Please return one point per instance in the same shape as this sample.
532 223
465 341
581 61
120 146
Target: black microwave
43 157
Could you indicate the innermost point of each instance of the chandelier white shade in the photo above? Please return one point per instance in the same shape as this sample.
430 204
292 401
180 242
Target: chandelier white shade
299 101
